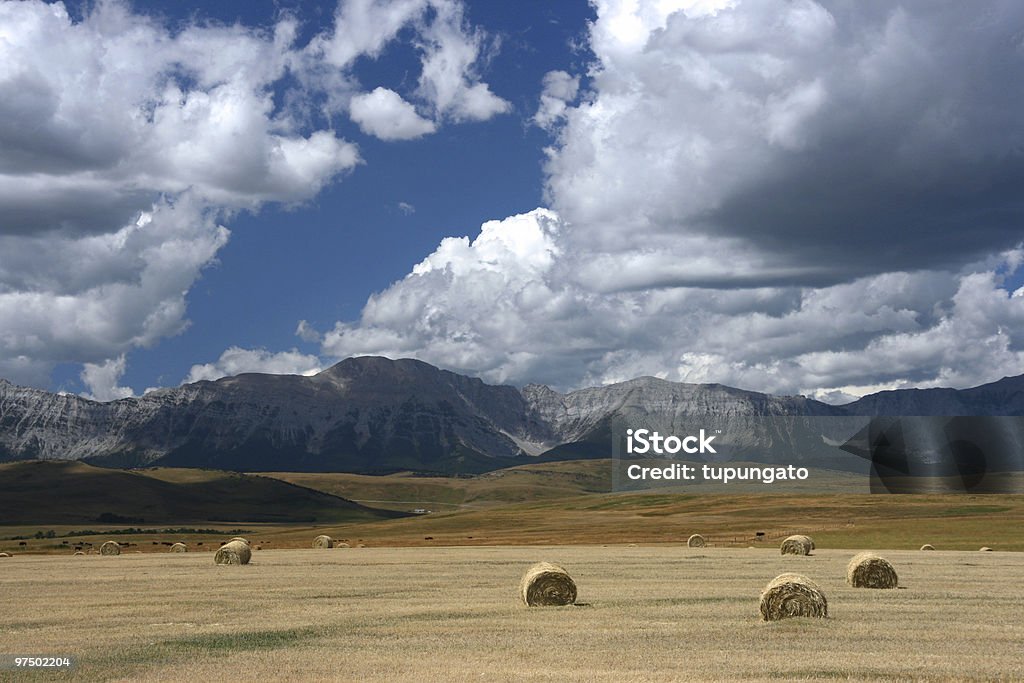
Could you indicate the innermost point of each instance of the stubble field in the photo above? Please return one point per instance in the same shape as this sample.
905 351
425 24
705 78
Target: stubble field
654 613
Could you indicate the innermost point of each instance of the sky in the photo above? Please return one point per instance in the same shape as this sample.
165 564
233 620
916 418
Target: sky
790 196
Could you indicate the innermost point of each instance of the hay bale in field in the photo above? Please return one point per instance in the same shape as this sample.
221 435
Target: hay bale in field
985 549
547 584
110 548
5 554
796 545
323 541
234 552
179 548
792 595
927 546
360 545
696 541
79 552
867 570
239 538
343 545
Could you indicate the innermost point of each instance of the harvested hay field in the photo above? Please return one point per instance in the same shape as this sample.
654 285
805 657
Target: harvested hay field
643 614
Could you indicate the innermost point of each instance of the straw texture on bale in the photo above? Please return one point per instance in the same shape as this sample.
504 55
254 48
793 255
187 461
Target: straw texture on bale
110 548
796 545
867 570
322 541
547 584
239 538
792 595
927 546
810 541
179 548
234 552
696 541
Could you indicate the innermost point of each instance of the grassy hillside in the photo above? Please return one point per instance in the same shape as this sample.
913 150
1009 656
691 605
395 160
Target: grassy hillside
406 491
62 492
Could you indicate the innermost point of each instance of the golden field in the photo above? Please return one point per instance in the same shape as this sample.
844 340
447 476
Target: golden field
656 613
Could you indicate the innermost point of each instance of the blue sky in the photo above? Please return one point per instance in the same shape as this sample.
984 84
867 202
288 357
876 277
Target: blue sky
795 197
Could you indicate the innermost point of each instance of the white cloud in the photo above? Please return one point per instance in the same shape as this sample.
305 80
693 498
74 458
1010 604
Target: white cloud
448 79
102 380
508 307
384 114
779 142
307 332
449 52
235 361
559 89
126 145
406 208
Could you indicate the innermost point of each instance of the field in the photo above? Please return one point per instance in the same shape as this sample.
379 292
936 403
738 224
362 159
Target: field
645 614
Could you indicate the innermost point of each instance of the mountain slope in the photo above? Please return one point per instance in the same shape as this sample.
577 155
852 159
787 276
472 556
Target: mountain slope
375 415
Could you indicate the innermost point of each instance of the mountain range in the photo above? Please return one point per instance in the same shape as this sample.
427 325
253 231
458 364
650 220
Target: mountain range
376 415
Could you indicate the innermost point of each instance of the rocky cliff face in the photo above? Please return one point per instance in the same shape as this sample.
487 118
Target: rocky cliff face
377 415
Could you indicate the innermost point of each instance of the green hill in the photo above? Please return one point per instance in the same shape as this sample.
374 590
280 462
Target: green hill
67 492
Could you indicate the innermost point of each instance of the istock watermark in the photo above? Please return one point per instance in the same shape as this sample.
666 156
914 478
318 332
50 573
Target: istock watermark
644 441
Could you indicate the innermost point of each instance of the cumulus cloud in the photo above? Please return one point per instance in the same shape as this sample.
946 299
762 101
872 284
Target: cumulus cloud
449 49
384 114
126 145
794 143
102 380
559 89
236 361
504 306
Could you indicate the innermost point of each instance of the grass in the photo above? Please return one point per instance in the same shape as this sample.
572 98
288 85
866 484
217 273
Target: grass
387 614
64 492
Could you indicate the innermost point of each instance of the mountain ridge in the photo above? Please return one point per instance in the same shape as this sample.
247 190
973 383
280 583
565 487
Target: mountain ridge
372 414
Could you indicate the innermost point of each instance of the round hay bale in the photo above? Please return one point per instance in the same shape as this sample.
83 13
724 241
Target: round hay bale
79 552
927 546
239 538
234 552
696 541
867 570
360 545
322 541
110 548
547 584
5 554
792 595
179 548
796 545
810 541
343 545
985 549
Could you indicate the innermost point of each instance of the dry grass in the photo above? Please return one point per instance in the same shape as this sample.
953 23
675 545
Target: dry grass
390 614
